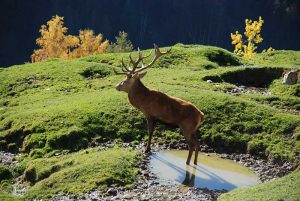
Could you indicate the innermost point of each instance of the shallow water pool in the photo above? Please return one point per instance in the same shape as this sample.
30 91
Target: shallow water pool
212 172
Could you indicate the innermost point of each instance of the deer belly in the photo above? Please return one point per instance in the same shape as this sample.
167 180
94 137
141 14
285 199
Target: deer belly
167 116
168 125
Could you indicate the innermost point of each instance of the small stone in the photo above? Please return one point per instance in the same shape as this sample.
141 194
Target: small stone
127 196
112 191
144 198
290 77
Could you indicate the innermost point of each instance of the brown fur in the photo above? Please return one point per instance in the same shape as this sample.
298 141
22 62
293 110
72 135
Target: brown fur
159 106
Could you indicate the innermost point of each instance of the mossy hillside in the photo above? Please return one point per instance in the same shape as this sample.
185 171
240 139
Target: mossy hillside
81 172
278 58
196 57
36 88
62 105
7 179
8 197
285 90
285 188
5 173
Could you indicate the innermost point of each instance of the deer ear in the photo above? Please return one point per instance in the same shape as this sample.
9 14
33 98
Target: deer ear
141 75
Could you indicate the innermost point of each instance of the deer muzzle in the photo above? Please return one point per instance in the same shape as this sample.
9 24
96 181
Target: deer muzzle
118 87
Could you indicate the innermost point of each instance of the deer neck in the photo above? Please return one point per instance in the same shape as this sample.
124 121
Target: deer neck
137 94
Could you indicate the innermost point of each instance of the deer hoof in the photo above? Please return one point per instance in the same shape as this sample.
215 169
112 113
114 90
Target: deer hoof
147 150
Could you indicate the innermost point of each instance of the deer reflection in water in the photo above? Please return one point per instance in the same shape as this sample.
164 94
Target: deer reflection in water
189 179
212 172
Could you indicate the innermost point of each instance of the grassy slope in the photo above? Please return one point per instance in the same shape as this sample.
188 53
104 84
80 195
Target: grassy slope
79 172
286 188
8 197
59 105
53 107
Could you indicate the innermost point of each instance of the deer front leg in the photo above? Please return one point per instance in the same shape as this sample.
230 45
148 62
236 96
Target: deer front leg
197 146
151 124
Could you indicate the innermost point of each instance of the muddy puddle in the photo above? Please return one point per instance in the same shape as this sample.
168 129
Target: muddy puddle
212 172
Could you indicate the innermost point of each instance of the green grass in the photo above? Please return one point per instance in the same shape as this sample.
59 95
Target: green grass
286 188
80 172
279 58
66 106
59 105
8 197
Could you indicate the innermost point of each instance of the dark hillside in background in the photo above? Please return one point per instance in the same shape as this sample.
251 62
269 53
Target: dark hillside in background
166 22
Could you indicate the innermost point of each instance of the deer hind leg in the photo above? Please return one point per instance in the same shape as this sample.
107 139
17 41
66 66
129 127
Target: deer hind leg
194 145
189 132
188 138
191 149
190 141
196 140
151 124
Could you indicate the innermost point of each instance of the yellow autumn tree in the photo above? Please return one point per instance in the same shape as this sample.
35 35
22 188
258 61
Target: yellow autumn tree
252 33
54 42
89 44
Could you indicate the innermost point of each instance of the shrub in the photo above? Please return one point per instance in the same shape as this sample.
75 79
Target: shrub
30 174
252 33
5 173
97 72
222 58
256 147
74 139
122 44
12 147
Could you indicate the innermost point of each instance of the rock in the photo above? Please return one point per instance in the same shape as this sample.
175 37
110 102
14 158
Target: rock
143 166
153 183
148 187
145 173
112 191
7 158
128 196
209 81
144 198
290 77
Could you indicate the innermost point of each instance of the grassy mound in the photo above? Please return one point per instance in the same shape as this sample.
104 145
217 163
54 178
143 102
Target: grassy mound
80 172
253 77
5 173
59 105
285 188
68 106
278 58
8 197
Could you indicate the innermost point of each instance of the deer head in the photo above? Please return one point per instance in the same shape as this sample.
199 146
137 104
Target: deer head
133 72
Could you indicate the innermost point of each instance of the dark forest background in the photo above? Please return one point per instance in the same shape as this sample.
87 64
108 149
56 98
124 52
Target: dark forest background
165 22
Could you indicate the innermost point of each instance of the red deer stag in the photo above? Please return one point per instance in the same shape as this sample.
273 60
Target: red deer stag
157 106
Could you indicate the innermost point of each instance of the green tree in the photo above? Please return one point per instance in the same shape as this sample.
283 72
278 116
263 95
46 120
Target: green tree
122 44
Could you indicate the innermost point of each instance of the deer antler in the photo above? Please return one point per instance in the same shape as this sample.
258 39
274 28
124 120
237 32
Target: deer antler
126 70
158 54
140 59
